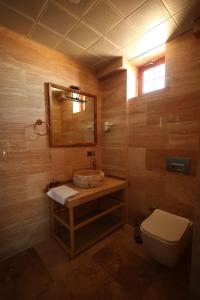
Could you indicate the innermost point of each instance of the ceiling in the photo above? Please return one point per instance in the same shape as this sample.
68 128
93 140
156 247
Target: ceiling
96 31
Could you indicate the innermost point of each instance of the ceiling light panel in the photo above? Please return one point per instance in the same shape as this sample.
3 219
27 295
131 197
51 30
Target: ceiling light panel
57 19
149 15
152 39
29 8
83 35
126 7
102 17
175 6
150 55
45 36
67 47
123 53
79 9
88 58
15 21
122 34
185 18
103 48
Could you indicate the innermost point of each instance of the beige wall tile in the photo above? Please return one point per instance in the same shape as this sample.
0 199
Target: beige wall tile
166 123
29 164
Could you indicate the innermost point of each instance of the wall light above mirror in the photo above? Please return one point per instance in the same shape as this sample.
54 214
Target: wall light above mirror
72 115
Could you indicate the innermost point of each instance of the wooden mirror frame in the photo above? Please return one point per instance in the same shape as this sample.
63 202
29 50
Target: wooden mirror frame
50 100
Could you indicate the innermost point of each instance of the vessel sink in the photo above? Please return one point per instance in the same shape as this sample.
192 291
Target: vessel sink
88 178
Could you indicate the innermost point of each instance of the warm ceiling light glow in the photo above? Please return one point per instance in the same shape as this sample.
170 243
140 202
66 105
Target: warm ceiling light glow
152 54
154 37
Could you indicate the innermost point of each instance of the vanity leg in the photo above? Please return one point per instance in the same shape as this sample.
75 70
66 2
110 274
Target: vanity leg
52 216
71 230
124 199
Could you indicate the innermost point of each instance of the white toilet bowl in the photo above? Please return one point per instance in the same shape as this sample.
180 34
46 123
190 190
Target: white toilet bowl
166 236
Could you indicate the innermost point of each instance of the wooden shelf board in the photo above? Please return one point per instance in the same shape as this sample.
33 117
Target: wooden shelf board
97 216
109 186
62 244
89 234
107 206
59 219
84 240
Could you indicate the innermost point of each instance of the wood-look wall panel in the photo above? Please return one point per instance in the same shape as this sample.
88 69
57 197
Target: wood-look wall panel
114 161
114 110
27 163
137 160
166 123
146 136
173 109
118 137
156 159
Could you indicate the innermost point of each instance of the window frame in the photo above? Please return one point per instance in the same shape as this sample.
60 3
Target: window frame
141 71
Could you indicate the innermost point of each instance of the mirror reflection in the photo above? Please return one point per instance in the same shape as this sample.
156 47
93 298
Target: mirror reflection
72 117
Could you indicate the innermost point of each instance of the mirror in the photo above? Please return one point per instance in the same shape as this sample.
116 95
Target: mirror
72 117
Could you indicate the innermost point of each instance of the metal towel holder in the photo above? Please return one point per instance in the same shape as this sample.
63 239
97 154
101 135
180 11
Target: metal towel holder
39 122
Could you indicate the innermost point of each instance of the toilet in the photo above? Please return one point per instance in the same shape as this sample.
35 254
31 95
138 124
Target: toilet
166 236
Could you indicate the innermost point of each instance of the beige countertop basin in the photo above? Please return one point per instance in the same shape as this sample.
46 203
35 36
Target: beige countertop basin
88 178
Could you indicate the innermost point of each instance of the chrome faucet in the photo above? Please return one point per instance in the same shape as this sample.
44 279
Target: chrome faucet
93 164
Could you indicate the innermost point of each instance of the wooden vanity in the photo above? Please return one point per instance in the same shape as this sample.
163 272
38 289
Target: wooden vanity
90 216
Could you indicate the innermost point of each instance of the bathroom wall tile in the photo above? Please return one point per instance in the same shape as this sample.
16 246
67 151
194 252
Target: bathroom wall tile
17 236
23 55
115 96
181 189
137 158
137 105
36 184
166 123
114 110
114 161
156 159
137 118
150 181
27 163
137 109
180 209
148 136
116 137
184 135
186 107
137 205
17 223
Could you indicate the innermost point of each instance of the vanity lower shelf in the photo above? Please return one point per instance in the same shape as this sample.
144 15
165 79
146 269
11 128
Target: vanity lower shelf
89 234
78 226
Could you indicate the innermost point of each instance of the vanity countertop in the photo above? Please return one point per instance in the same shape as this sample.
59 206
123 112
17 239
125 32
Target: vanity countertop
109 185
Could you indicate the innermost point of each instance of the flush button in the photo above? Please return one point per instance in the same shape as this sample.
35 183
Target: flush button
178 164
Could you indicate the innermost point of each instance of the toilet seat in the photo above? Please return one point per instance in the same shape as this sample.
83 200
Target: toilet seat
165 226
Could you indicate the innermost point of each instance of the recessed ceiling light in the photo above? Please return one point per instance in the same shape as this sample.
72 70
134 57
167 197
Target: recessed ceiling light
75 1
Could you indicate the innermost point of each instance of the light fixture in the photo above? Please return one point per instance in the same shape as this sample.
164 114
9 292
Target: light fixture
75 97
107 126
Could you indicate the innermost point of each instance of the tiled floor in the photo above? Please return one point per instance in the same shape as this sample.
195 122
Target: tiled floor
116 269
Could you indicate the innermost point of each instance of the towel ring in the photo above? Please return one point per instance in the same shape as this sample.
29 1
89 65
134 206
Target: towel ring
39 122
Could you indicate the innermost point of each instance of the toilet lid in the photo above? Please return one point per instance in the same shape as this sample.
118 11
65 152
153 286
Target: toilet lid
165 226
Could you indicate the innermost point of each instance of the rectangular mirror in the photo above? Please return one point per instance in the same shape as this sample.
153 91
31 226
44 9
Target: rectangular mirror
72 117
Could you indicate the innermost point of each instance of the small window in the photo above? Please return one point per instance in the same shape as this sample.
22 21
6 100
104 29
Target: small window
152 77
